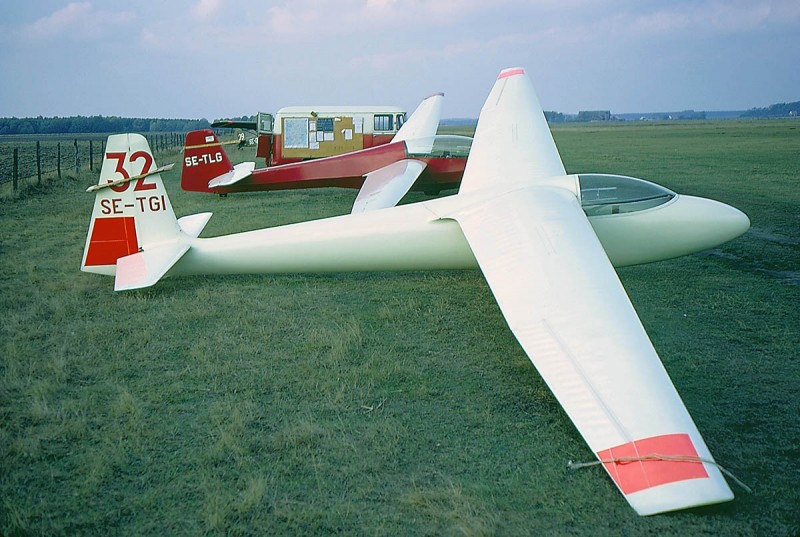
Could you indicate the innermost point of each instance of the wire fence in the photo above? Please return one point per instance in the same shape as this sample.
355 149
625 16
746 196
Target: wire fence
31 160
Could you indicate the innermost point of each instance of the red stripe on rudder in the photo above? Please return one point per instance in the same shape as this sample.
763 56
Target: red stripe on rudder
638 475
112 238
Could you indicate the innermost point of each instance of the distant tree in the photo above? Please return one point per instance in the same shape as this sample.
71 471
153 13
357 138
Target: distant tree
776 110
25 127
554 117
691 114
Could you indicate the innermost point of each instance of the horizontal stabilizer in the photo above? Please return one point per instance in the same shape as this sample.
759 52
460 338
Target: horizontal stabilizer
386 186
239 172
193 224
145 268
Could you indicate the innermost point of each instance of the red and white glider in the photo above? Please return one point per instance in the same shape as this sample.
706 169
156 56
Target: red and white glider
415 159
547 243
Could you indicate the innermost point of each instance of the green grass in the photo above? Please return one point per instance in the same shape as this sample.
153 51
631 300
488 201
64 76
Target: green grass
384 404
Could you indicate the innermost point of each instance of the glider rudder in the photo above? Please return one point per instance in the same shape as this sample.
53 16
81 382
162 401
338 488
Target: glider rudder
204 159
133 233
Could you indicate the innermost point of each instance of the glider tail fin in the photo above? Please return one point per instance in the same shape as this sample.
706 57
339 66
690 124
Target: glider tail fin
133 233
204 160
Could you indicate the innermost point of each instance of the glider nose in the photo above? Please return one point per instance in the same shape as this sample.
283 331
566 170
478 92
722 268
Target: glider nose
714 222
736 221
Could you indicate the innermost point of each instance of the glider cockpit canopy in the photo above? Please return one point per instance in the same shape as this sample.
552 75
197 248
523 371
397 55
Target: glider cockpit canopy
439 146
614 194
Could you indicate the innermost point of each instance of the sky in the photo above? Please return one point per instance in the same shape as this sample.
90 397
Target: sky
224 58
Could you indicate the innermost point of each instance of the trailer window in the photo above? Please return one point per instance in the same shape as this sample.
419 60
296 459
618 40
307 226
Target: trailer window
401 118
383 122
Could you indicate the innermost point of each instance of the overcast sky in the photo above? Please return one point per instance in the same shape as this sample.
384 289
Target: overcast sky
222 58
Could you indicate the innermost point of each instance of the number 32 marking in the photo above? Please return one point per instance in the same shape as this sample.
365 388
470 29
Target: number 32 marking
141 183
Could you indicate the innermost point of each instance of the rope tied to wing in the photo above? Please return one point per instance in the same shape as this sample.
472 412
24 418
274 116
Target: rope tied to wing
210 144
656 457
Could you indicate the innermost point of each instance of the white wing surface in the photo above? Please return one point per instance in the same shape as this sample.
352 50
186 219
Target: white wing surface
564 303
424 122
386 186
512 140
145 268
566 306
194 224
243 170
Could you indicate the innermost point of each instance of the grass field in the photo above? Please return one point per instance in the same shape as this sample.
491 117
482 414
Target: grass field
385 404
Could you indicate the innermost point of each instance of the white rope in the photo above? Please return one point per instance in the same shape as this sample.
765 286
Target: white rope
95 188
656 457
210 144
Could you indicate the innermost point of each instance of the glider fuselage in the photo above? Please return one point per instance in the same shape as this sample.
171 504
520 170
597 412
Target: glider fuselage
420 237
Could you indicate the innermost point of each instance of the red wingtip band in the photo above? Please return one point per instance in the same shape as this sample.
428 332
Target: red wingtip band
505 73
654 461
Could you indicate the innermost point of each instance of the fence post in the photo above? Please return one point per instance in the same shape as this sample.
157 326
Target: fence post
77 164
91 156
15 171
38 164
58 161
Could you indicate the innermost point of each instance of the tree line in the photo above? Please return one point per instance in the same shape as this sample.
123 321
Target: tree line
96 124
775 110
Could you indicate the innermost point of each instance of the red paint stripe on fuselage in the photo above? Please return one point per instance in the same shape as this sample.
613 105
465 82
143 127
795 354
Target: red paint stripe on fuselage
634 476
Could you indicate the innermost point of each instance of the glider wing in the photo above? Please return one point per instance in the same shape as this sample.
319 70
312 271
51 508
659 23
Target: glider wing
231 124
564 303
512 140
386 186
424 122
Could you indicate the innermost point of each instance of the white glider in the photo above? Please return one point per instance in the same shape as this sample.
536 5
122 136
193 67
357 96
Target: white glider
546 243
